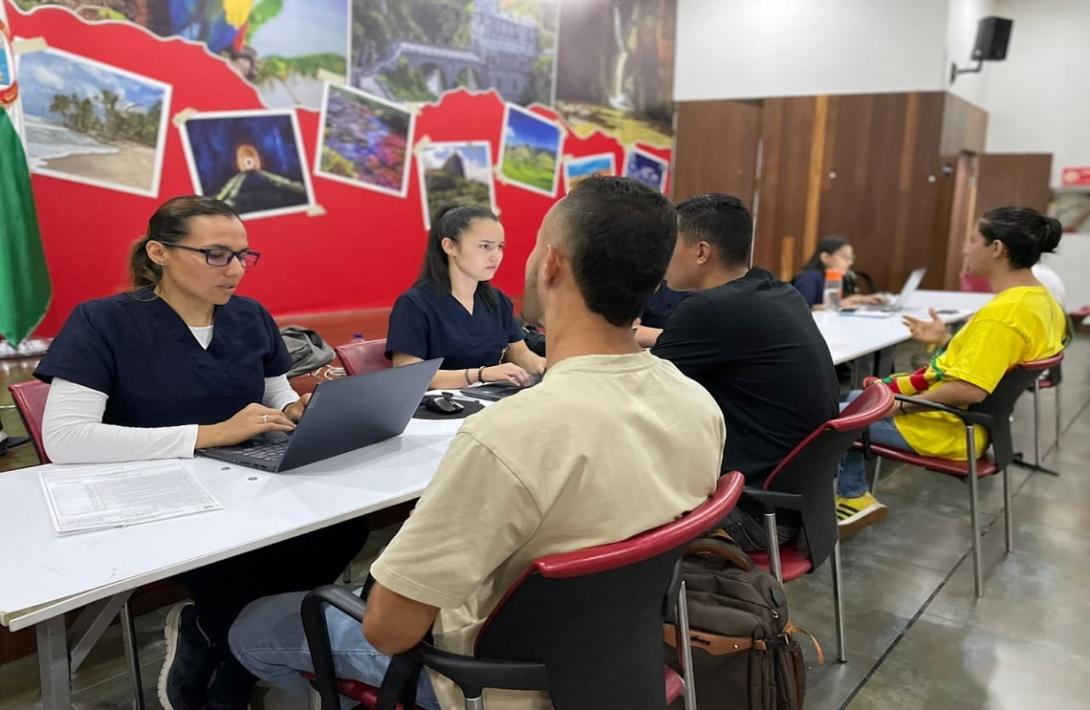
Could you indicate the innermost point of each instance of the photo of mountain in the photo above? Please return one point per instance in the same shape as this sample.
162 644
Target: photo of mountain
455 173
530 150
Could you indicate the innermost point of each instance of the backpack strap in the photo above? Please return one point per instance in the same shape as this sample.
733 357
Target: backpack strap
718 547
791 628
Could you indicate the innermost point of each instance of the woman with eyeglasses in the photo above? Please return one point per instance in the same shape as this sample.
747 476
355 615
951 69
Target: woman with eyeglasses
181 363
455 313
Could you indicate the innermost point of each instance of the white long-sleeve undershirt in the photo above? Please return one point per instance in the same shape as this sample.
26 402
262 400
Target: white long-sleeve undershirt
73 431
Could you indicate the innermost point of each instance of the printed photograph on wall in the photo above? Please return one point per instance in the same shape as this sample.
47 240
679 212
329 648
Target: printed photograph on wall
1072 208
252 160
455 173
530 150
615 68
92 123
576 170
279 46
646 168
414 50
364 141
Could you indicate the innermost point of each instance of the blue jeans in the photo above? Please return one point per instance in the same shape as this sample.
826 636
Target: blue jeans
268 639
851 482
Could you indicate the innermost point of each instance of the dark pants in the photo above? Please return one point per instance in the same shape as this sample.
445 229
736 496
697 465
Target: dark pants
221 590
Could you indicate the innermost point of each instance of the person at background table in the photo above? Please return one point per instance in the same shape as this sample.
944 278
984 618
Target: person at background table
180 363
752 342
656 313
454 312
833 252
1022 323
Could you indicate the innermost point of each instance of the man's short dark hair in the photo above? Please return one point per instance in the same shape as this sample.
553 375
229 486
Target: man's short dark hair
720 220
619 235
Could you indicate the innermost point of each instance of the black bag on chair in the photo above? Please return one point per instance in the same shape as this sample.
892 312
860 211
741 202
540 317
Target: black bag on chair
307 350
744 656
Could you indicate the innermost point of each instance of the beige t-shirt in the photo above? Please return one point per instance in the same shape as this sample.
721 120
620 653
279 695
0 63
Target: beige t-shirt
607 446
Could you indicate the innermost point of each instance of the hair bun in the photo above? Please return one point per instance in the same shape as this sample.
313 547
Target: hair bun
1050 235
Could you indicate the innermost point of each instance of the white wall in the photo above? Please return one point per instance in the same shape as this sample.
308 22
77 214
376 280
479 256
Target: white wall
964 15
1038 100
731 49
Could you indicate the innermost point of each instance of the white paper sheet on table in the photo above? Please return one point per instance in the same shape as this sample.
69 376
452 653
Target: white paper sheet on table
85 498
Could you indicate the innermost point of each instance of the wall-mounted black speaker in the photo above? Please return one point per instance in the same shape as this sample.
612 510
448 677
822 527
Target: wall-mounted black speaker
993 34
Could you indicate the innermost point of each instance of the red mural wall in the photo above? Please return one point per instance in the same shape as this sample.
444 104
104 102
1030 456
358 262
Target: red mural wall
362 252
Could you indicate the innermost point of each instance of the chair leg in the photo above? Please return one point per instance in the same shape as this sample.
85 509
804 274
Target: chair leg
475 703
1008 514
1036 423
974 520
773 546
877 472
1059 421
838 608
132 658
686 649
314 700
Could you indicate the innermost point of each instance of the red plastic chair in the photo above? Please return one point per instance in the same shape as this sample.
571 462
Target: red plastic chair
586 626
804 482
993 413
360 358
974 284
29 398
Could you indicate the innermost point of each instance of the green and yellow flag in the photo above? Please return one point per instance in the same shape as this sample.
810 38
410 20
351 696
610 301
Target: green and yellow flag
24 279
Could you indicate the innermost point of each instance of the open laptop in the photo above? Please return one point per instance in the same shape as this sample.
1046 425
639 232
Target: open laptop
342 415
909 289
496 391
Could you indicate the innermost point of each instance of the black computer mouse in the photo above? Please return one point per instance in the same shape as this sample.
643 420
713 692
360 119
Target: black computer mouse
442 404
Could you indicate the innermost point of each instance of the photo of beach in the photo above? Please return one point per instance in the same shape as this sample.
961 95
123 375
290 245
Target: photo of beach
530 150
646 168
364 141
577 170
92 123
455 173
251 160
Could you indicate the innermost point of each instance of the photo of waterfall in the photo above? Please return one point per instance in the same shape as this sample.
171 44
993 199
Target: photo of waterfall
615 68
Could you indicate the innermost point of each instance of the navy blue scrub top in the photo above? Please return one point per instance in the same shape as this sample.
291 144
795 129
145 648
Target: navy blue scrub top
139 352
662 304
427 322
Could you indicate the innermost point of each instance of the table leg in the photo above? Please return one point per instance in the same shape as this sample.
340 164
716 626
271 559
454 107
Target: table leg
53 672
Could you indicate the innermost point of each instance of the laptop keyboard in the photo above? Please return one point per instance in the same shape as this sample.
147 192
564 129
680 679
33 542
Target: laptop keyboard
273 451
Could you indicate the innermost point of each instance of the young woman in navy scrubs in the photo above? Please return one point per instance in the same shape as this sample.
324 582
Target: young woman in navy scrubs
177 364
453 312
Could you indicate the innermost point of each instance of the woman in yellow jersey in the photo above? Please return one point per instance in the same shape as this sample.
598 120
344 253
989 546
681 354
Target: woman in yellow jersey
1022 323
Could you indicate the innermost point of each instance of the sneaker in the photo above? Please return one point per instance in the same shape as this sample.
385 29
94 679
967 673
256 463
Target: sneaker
189 662
232 687
854 514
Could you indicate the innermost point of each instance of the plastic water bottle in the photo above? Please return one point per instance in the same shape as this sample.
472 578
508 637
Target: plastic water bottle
834 284
357 337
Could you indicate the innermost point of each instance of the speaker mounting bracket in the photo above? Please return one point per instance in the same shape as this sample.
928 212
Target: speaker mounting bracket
954 70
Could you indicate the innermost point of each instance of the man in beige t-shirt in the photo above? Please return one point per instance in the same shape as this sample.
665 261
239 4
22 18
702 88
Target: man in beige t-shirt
614 441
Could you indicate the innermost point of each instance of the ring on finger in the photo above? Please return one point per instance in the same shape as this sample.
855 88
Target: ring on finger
265 418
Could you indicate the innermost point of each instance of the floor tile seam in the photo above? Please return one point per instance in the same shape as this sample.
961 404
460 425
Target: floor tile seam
1012 639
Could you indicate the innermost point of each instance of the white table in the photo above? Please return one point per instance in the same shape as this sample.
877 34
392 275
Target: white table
46 575
851 336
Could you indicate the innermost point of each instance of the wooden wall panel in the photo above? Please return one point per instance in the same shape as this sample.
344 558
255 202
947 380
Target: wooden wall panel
716 148
787 138
1008 179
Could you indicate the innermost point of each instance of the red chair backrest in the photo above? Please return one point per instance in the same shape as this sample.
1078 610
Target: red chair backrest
360 358
594 616
975 284
30 399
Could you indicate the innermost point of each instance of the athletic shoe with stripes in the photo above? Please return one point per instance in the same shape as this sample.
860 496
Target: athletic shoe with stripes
854 514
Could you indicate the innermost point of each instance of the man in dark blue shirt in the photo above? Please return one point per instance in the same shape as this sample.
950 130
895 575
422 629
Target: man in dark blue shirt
750 339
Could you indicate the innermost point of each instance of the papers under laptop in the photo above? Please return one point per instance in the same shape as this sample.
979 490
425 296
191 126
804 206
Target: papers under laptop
907 292
342 415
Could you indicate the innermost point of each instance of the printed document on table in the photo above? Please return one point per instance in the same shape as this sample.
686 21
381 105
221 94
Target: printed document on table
84 498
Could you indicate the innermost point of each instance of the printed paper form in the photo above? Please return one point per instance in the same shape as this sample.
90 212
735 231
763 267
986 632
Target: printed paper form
85 498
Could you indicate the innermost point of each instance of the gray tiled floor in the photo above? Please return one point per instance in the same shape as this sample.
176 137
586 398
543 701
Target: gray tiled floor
917 637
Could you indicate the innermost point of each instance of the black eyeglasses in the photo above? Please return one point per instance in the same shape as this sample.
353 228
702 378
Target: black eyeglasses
218 256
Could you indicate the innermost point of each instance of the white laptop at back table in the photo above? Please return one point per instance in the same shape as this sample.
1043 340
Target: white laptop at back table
911 284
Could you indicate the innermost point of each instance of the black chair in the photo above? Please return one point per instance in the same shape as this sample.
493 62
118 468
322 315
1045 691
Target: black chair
585 626
993 413
804 482
1048 380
